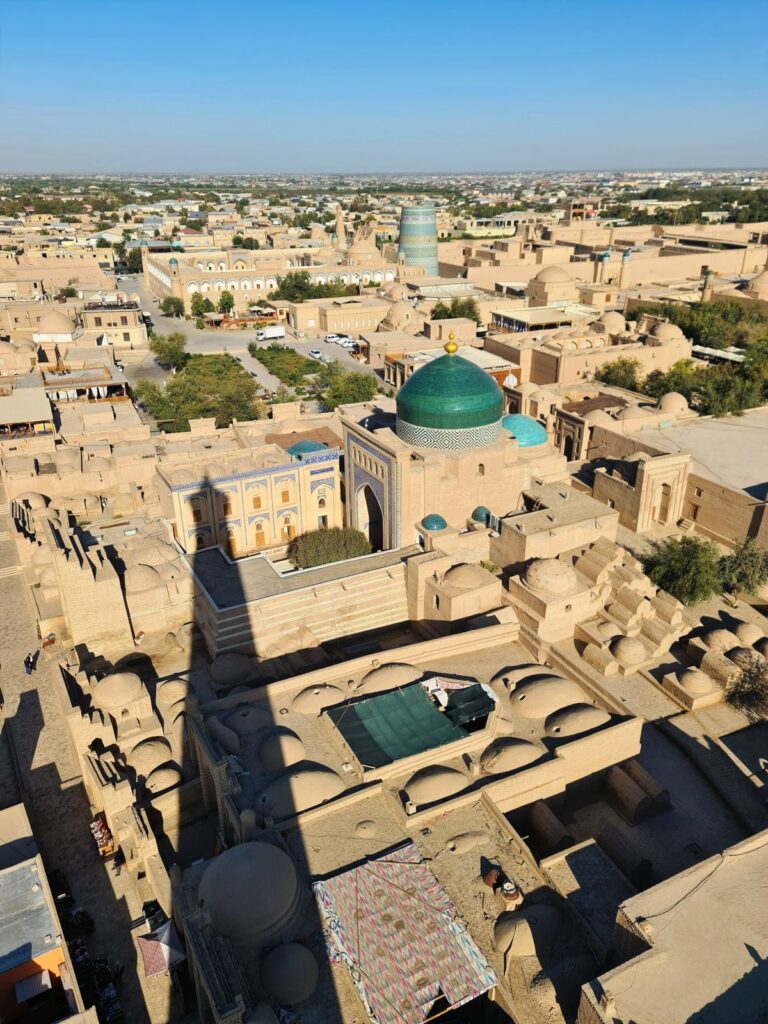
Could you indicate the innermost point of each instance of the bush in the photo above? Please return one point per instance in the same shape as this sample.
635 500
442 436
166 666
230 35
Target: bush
745 570
172 306
297 287
687 568
288 365
319 547
749 692
623 373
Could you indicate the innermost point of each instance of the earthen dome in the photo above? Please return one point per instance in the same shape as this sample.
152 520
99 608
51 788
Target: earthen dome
246 719
614 322
313 699
575 720
436 782
302 787
230 668
387 677
467 577
720 640
553 274
289 973
140 578
149 754
55 322
543 697
667 332
749 633
551 576
633 412
695 681
517 673
249 891
280 749
598 418
673 403
117 691
508 754
530 931
628 651
33 499
162 778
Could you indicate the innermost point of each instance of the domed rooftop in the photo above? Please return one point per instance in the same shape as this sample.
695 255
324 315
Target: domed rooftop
553 274
530 931
467 577
749 633
313 699
141 577
387 677
633 412
758 286
481 515
246 719
33 499
667 332
172 691
695 681
551 576
434 522
230 668
280 750
289 973
508 754
525 430
117 691
162 778
513 674
674 403
306 447
436 782
720 640
149 754
307 785
614 322
575 720
449 403
598 418
250 891
543 697
55 322
628 651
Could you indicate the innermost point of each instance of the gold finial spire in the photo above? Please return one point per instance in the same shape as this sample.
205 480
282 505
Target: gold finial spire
451 347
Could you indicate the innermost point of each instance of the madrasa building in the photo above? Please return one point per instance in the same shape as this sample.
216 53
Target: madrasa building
445 459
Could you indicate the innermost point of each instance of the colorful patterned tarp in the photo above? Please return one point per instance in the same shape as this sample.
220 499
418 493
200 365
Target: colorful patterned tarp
394 927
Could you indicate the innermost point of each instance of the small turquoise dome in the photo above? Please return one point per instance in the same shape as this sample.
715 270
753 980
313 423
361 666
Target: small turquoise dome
434 522
525 430
481 515
305 447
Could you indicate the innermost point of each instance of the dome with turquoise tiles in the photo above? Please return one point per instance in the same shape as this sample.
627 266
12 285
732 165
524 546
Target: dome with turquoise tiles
306 447
433 522
481 514
525 430
449 403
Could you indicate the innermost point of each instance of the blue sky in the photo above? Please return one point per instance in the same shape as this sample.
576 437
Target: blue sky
262 86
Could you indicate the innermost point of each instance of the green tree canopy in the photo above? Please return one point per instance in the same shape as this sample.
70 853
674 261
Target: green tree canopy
172 306
621 373
215 386
134 261
298 287
748 693
345 387
226 302
170 351
686 567
458 308
201 304
745 570
319 547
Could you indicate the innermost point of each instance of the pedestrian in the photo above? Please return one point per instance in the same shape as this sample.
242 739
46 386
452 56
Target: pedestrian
34 658
28 664
2 702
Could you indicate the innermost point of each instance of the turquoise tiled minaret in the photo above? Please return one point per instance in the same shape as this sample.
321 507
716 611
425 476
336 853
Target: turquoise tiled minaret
417 246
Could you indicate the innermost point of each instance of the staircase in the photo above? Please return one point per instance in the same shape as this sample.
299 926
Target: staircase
686 525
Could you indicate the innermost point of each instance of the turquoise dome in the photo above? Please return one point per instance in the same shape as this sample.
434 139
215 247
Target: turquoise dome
434 522
449 403
525 430
305 447
481 514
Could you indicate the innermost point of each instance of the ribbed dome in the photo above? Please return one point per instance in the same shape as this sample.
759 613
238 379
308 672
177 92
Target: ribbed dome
249 891
525 430
449 403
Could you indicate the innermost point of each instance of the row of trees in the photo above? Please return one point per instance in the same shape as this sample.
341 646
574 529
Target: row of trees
717 324
333 384
298 286
457 308
693 570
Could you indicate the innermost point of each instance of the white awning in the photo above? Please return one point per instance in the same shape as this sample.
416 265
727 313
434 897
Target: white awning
34 985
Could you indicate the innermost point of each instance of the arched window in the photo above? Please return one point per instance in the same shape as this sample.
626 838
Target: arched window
259 535
222 265
192 287
211 266
321 502
480 469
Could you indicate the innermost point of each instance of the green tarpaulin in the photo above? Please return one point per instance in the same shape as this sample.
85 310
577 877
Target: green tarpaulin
390 726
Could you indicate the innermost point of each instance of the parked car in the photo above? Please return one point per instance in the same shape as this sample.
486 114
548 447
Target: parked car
331 339
346 343
315 353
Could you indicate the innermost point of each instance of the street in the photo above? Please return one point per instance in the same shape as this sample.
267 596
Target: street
209 342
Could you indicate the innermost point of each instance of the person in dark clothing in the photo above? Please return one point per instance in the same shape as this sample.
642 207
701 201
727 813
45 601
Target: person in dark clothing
28 664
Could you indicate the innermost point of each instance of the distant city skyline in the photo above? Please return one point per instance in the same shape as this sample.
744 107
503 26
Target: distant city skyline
409 89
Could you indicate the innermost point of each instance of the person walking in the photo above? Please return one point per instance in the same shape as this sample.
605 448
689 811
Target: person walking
28 664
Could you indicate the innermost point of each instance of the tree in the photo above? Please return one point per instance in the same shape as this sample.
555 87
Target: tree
249 243
687 568
102 243
206 386
68 292
319 547
622 373
126 217
119 250
200 305
226 302
298 287
745 570
345 387
170 351
237 241
467 309
748 693
134 261
172 306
